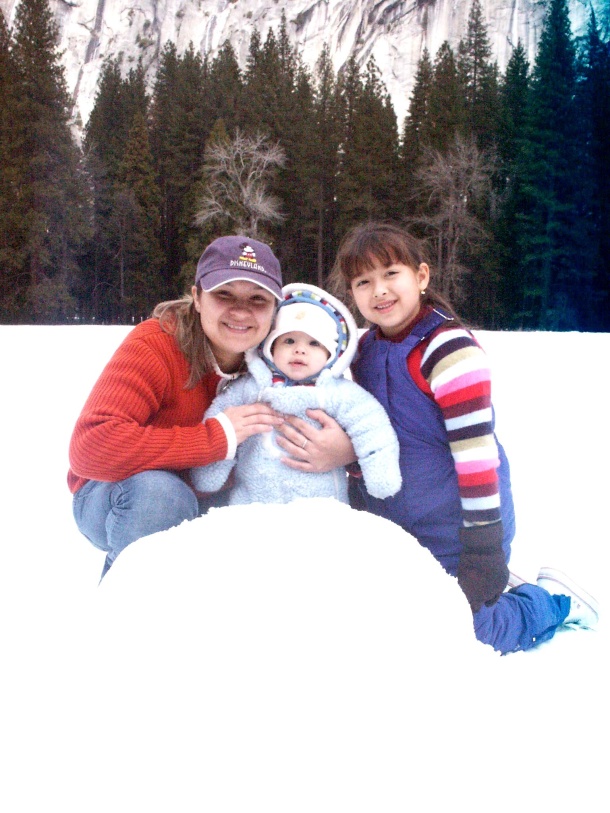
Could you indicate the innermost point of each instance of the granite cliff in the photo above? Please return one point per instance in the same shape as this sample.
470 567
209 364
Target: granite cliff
395 32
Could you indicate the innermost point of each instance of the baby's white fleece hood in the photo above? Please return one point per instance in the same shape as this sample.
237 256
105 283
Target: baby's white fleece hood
311 310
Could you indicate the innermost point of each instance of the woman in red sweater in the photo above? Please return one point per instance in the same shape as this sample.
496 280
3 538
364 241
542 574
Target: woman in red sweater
141 428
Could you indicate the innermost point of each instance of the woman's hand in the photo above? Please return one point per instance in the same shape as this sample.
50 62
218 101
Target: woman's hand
252 419
312 449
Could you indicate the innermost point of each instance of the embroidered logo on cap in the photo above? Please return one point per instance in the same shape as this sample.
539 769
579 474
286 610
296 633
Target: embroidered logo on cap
247 259
248 254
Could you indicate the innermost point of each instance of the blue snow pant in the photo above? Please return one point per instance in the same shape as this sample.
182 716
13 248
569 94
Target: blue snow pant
521 619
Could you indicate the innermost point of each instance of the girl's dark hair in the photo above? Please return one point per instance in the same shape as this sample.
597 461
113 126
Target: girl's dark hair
385 243
179 318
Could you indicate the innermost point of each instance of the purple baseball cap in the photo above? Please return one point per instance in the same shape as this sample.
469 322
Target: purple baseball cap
239 258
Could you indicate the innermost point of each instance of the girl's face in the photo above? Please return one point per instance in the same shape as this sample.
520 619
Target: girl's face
390 296
234 317
298 355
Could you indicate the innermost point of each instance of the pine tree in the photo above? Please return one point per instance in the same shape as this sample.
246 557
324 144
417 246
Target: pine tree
555 239
479 77
382 136
436 119
254 119
135 221
52 204
136 95
416 134
254 54
280 105
596 112
165 147
479 80
514 110
181 118
369 148
447 103
270 83
289 61
119 101
298 187
225 83
12 231
104 139
514 105
104 133
350 92
326 143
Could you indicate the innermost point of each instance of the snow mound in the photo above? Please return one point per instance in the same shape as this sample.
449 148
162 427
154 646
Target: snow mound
281 658
278 656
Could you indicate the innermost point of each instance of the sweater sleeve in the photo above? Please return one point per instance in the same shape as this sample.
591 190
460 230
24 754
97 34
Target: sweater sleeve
139 417
213 476
456 371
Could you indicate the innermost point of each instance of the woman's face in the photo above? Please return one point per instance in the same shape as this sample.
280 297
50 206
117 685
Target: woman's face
234 317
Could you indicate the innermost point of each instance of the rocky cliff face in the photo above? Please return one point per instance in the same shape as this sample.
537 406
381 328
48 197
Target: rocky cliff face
395 32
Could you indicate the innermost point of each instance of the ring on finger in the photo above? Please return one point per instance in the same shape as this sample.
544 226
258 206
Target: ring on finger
305 442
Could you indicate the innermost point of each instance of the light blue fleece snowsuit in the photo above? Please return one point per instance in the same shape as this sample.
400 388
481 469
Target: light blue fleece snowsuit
259 474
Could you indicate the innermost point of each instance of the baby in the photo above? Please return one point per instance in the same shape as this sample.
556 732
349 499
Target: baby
298 367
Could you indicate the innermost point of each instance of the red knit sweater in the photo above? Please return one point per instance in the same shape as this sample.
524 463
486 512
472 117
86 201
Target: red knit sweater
139 416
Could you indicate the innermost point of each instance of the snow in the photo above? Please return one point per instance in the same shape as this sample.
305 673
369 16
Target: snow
301 657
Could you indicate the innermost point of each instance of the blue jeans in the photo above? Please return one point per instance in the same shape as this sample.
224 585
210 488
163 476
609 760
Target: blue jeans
112 515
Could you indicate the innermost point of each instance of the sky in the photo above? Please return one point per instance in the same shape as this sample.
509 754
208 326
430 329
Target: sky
297 657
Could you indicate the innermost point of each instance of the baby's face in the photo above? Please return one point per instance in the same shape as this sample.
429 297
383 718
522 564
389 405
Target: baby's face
298 355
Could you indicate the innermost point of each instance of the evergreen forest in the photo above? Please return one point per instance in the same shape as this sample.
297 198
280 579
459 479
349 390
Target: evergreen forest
506 176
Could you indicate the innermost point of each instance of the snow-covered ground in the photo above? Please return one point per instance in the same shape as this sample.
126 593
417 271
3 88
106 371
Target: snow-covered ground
304 657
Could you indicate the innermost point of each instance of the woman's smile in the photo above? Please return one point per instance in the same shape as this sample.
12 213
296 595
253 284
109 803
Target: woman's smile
238 328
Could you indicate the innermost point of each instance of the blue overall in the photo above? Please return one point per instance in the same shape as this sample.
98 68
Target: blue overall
428 505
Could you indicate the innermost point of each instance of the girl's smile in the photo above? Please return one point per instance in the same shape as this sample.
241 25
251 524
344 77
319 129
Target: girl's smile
389 296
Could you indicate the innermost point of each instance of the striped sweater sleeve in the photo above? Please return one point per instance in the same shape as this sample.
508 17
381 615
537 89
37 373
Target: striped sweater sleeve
456 370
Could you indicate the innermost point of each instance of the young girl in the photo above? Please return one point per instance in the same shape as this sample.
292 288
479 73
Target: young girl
432 377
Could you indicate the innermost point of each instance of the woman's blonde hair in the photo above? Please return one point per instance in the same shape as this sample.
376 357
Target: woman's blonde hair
385 243
180 319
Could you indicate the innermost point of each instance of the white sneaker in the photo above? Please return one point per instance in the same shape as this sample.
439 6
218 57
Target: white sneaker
584 609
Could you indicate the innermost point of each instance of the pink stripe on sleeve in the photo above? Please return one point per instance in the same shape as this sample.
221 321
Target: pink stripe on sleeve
474 466
461 382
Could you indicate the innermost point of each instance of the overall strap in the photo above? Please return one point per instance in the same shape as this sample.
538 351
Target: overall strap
429 324
421 331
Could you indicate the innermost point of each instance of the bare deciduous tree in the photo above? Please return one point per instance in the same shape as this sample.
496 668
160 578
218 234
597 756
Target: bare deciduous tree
455 183
238 172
